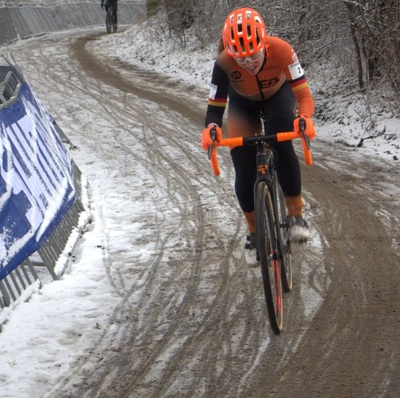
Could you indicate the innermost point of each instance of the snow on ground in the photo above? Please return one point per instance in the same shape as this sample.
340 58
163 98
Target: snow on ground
37 344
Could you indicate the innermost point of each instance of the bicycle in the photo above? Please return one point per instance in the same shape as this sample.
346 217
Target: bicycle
272 226
111 18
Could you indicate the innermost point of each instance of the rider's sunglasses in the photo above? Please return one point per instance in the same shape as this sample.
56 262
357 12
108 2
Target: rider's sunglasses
252 58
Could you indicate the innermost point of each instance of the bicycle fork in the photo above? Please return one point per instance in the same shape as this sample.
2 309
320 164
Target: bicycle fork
264 163
266 172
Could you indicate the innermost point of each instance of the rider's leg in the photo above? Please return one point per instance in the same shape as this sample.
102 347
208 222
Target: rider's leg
251 221
115 11
279 116
244 163
244 120
294 205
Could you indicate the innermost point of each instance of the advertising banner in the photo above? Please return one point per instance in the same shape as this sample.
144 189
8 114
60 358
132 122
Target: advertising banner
36 179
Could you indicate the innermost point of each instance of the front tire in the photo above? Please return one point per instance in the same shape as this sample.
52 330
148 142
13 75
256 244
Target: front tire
268 252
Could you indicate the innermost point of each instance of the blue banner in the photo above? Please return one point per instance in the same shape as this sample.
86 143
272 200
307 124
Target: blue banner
36 179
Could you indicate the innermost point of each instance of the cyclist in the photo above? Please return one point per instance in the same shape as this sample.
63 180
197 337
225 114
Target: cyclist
259 74
107 4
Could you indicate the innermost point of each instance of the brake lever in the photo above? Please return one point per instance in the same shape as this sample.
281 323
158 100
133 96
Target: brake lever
213 135
302 124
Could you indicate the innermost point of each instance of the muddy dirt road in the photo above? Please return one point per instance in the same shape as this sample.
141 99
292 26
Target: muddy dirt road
192 322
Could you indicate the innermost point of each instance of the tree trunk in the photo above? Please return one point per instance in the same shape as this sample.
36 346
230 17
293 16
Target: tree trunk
352 18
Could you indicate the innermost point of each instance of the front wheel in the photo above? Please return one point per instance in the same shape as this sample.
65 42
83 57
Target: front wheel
268 251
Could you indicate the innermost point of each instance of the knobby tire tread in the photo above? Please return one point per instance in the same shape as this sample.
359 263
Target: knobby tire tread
267 243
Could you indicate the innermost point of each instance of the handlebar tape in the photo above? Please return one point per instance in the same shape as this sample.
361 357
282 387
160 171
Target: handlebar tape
236 141
290 135
307 153
214 161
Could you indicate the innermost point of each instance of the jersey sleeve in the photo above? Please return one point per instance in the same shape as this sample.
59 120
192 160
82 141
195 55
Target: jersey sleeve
218 96
298 83
303 96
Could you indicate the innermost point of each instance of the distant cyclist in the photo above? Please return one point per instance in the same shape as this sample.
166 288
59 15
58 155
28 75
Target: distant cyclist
260 73
107 4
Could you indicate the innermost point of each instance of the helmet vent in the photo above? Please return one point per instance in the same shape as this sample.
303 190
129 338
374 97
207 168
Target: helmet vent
242 45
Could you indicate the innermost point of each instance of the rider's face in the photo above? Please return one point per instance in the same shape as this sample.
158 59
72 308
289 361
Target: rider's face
253 63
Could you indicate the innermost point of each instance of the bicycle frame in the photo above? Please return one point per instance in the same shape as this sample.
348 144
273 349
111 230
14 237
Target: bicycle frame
265 160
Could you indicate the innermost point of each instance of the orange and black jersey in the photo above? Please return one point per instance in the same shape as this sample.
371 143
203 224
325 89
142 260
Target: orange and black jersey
281 64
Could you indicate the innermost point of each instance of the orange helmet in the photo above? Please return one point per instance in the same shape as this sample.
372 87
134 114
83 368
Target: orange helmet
244 32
